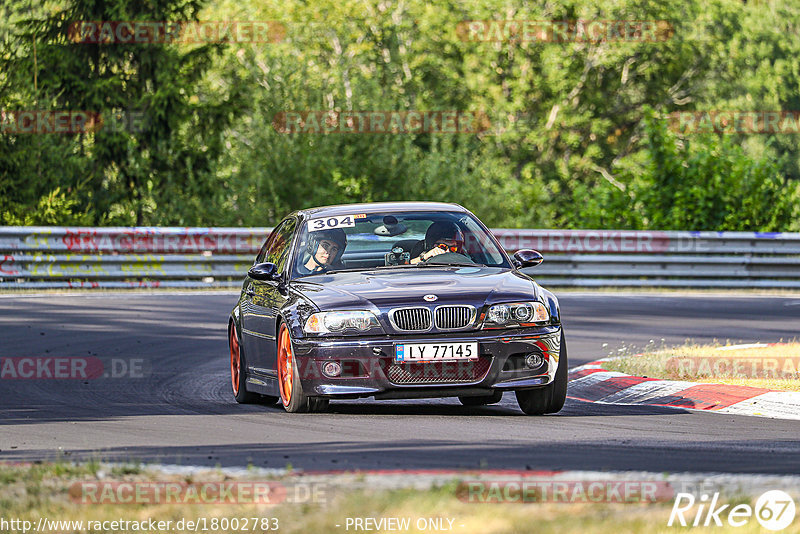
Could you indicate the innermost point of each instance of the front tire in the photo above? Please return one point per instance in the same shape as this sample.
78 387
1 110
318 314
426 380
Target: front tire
318 404
289 383
239 369
550 398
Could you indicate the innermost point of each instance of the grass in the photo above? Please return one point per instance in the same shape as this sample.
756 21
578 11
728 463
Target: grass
775 367
28 492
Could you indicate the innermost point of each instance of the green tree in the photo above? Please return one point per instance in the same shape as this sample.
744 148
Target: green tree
571 144
156 164
705 183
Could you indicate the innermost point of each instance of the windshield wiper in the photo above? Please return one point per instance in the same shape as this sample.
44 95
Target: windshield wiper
448 264
334 271
403 266
356 269
392 266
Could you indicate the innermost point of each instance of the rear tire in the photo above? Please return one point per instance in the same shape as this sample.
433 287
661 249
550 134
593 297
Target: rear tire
239 369
482 400
550 398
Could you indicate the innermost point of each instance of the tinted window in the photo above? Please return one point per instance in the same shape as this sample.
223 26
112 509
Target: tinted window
276 249
396 239
263 252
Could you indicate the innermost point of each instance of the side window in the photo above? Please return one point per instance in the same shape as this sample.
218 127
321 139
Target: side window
263 252
271 238
279 244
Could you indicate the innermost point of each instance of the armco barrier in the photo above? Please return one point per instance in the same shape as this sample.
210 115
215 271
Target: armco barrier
52 257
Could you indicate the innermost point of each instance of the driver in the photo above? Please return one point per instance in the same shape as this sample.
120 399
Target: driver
324 249
441 237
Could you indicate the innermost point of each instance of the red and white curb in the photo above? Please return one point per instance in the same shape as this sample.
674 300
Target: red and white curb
592 383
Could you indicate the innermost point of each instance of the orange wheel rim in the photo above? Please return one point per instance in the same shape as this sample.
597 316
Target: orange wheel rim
285 369
236 360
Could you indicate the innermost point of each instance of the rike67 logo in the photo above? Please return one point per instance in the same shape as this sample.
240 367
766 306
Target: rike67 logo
774 510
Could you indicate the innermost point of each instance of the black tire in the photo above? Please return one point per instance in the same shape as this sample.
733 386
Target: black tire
482 400
550 398
317 404
559 385
239 376
534 401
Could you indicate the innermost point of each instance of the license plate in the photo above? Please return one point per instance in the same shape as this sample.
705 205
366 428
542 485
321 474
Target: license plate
428 352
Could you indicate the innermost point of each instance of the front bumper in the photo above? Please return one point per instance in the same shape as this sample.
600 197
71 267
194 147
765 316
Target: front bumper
369 369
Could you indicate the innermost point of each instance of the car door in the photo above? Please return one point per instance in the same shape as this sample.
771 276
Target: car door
263 299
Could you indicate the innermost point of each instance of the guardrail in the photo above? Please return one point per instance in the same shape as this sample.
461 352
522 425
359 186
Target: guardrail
54 257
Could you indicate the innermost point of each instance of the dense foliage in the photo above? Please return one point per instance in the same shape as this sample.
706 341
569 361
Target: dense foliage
578 134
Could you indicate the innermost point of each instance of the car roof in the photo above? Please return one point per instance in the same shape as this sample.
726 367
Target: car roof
380 207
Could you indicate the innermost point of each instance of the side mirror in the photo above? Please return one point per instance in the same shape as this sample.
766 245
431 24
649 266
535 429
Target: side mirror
267 272
527 258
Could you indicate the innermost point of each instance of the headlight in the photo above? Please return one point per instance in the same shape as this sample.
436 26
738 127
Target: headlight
516 314
335 322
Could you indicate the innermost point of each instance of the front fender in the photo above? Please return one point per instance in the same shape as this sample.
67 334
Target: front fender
294 313
236 318
551 301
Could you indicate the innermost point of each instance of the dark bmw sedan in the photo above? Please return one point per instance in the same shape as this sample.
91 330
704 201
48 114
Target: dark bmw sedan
397 300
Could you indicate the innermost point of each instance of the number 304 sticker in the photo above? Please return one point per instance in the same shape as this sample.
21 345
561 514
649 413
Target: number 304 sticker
326 223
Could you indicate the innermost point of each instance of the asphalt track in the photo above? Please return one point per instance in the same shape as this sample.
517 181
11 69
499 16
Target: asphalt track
182 412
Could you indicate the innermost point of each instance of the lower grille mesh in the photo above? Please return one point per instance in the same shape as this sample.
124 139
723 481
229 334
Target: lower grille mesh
450 372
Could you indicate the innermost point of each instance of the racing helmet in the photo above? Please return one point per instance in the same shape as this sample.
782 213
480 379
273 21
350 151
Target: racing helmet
444 230
335 235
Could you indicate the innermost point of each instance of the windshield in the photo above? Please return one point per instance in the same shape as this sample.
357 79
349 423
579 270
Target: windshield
361 241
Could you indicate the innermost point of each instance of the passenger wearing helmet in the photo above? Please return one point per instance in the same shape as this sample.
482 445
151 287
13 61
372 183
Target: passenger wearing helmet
324 249
441 237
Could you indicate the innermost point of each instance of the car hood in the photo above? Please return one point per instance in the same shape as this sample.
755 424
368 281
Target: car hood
386 289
